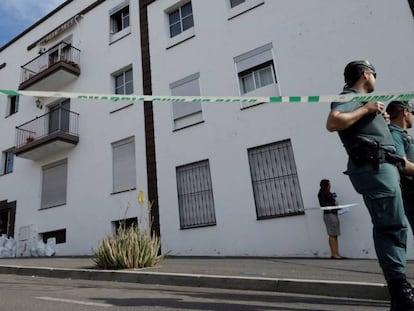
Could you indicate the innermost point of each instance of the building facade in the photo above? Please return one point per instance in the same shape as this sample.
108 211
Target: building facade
225 179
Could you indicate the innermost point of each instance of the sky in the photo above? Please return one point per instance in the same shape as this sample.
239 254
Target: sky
18 15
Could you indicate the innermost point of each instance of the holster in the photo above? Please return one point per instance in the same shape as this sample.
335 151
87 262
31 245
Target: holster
369 151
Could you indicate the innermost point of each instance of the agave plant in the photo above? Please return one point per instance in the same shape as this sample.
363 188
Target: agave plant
128 248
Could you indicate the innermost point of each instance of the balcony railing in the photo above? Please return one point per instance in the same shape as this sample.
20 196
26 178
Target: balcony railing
63 53
57 121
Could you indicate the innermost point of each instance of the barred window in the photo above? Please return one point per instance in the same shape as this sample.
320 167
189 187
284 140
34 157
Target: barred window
275 180
195 195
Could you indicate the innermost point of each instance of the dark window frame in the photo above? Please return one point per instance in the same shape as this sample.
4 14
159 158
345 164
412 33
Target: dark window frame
12 105
8 158
59 234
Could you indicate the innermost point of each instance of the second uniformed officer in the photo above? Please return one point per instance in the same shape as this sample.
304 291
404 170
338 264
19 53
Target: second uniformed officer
401 119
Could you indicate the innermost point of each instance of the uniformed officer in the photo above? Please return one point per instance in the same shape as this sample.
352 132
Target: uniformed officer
401 119
372 169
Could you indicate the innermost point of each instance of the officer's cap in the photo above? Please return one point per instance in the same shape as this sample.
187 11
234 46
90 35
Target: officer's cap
353 70
396 106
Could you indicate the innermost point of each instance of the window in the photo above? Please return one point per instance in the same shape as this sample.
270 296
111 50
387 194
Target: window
59 235
125 223
7 160
54 184
195 195
257 77
12 105
239 7
59 117
275 180
234 3
120 20
256 72
186 113
124 83
123 157
181 19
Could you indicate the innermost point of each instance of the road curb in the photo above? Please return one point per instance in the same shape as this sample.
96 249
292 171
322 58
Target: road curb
359 290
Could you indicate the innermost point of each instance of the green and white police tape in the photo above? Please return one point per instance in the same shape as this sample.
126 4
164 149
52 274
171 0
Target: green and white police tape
384 97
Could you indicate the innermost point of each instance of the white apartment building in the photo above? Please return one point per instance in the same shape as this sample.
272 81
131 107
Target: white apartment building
226 179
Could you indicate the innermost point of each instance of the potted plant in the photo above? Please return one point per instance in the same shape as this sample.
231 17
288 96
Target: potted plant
29 139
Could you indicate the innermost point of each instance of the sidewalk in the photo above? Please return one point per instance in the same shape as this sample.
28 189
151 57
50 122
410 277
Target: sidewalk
339 278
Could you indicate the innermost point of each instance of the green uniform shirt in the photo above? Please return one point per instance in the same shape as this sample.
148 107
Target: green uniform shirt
372 126
404 143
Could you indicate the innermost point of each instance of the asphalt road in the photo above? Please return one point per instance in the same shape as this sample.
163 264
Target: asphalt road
22 293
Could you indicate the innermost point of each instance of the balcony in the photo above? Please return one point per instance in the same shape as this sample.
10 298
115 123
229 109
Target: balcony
52 69
48 134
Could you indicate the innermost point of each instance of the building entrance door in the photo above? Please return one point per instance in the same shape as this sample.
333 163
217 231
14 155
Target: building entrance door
7 217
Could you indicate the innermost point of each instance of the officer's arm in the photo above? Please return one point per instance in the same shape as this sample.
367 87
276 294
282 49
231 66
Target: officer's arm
408 169
338 121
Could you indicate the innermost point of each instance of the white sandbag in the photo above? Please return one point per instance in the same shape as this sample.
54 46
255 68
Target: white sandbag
41 248
50 248
3 239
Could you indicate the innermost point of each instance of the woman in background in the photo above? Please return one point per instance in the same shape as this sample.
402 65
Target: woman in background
330 217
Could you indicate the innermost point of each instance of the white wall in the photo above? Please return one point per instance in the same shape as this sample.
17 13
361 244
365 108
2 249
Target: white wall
90 207
312 43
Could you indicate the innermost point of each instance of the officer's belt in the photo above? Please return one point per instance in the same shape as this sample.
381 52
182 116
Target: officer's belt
369 151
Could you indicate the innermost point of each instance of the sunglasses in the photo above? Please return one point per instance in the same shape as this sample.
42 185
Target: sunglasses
373 73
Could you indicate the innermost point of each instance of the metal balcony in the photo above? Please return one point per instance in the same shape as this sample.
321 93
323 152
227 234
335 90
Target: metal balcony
48 134
52 69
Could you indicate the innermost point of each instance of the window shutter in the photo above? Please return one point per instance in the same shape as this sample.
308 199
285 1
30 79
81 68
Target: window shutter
188 86
254 58
54 184
124 175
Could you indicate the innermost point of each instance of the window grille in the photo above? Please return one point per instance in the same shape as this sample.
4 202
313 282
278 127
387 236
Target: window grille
195 195
275 180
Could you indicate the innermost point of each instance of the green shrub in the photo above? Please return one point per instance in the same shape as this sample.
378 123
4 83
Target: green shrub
128 248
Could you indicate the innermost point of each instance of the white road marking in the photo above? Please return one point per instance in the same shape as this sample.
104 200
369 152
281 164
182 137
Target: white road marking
85 303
